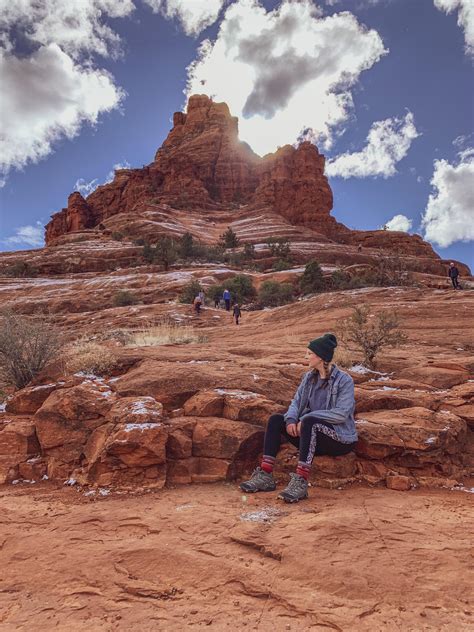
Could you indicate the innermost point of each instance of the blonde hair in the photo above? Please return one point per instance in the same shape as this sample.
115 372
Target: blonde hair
327 369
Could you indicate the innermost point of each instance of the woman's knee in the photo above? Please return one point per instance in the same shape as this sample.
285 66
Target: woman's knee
276 422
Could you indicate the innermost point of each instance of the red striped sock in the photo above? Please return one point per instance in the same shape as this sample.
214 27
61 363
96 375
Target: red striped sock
303 470
267 463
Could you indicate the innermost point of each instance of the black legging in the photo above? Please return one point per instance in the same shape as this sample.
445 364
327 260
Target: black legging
317 438
455 282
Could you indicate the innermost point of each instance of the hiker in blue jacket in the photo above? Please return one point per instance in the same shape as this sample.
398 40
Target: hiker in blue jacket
227 296
319 420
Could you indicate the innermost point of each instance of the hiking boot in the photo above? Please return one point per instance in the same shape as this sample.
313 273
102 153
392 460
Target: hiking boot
296 490
260 481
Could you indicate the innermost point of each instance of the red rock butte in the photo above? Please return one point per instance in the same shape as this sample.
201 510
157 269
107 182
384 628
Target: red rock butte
204 179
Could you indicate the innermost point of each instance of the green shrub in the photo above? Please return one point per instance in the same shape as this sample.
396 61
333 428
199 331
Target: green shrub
279 247
242 289
215 291
312 279
21 269
164 252
186 246
117 235
272 293
190 291
281 265
229 239
122 298
249 252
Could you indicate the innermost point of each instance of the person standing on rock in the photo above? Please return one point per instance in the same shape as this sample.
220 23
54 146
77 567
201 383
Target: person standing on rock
453 274
319 420
226 296
197 304
236 313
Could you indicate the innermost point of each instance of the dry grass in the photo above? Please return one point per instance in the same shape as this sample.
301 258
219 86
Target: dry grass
164 333
89 356
343 357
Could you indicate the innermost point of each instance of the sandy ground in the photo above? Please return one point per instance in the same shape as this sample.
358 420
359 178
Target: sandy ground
208 557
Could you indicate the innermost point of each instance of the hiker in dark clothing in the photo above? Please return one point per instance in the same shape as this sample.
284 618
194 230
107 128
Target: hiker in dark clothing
217 301
453 274
320 420
236 313
226 296
197 304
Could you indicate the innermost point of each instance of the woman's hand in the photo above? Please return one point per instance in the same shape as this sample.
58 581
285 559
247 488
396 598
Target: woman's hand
292 429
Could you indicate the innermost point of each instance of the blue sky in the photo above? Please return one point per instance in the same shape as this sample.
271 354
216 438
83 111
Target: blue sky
397 130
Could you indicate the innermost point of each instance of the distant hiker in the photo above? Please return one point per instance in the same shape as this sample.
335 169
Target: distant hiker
320 420
217 301
359 248
226 296
453 274
197 304
236 313
201 296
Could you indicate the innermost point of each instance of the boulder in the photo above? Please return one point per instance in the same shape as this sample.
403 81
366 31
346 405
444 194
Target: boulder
18 442
408 433
126 454
30 399
67 418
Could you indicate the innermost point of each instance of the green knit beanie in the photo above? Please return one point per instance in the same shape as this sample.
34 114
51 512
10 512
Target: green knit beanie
324 346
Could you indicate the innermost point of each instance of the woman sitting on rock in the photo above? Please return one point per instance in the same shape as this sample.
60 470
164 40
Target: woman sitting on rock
320 420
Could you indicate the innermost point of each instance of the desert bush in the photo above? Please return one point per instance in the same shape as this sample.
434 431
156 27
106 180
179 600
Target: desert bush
281 265
163 333
117 235
229 239
21 269
371 333
279 248
122 298
249 252
164 252
89 356
272 293
190 291
27 345
242 289
186 246
215 291
391 269
312 279
343 357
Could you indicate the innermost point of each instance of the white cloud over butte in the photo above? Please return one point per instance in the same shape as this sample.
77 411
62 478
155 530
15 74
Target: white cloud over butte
387 143
194 15
286 71
449 214
54 90
399 222
465 9
31 235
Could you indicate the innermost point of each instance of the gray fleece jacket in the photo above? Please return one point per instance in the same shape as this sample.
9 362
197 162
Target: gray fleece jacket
340 404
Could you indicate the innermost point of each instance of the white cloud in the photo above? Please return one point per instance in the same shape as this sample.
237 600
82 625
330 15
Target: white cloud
85 188
76 26
32 235
286 70
465 10
449 213
51 92
194 15
388 142
399 222
47 96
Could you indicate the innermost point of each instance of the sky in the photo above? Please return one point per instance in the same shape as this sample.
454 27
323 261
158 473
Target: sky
384 88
